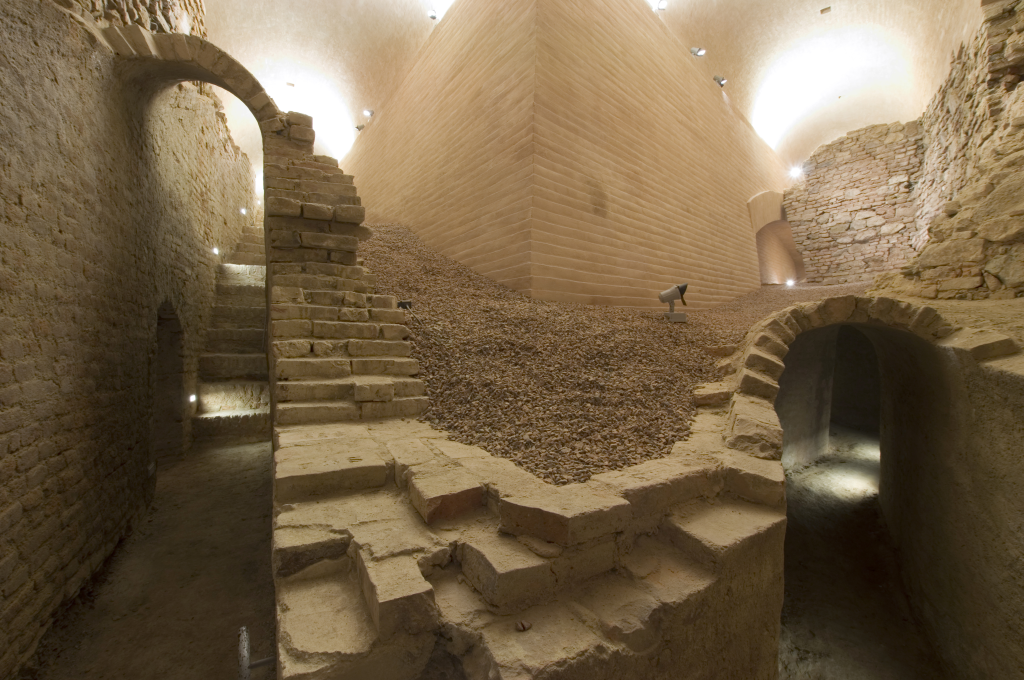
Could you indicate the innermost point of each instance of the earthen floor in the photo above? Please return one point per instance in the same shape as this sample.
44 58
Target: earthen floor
845 613
169 602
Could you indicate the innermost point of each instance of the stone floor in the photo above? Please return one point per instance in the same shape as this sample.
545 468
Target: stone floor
845 613
169 602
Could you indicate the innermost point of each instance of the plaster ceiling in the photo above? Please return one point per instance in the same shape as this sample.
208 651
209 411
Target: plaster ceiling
801 77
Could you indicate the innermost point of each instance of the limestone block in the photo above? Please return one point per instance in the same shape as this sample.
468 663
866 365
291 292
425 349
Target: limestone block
780 330
377 366
712 394
283 206
299 547
579 563
952 252
379 348
315 412
352 214
313 390
407 454
297 369
753 479
443 493
1001 229
373 391
458 451
753 427
715 534
981 343
397 408
290 349
506 573
567 516
394 332
837 309
771 344
623 612
392 316
286 295
397 595
409 387
302 472
1009 267
316 211
330 241
962 283
259 101
654 486
761 361
294 328
343 329
757 385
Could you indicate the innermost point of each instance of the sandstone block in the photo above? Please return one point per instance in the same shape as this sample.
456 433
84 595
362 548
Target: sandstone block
952 252
374 391
407 454
567 516
962 283
303 472
301 133
771 344
295 369
315 211
755 480
296 328
394 332
656 485
342 329
379 348
283 206
399 598
981 343
397 408
712 394
392 316
444 493
290 349
754 427
389 366
352 214
716 534
505 572
763 362
757 385
330 241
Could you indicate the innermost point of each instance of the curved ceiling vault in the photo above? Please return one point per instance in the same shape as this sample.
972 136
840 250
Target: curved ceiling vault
804 77
800 76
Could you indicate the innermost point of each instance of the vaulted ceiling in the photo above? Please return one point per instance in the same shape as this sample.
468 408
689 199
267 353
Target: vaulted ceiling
803 72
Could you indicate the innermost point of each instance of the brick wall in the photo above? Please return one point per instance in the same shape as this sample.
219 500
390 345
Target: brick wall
572 150
111 200
854 213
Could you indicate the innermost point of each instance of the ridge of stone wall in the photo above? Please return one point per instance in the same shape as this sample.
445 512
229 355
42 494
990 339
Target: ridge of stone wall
853 216
157 16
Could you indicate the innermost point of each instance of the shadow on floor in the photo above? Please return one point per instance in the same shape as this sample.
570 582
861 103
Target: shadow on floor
845 615
170 600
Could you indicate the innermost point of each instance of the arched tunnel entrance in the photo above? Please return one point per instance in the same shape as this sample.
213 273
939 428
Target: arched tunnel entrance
860 407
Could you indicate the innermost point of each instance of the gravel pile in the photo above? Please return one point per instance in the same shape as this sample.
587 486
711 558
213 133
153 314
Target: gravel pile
563 390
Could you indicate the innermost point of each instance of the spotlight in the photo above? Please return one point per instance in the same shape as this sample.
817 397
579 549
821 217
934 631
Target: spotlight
216 251
368 113
359 128
243 211
790 283
432 13
670 296
662 4
192 399
796 172
721 81
698 51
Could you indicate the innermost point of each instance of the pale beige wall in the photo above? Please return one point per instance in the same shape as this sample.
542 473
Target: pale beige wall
643 170
570 149
452 155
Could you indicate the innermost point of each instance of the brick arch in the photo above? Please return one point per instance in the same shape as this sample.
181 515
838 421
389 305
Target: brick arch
750 385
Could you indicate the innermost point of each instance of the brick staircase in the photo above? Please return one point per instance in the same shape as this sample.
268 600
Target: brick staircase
234 391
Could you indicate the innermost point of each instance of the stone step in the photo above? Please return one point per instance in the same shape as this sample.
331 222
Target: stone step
381 365
356 388
234 340
243 247
219 367
241 295
723 534
345 410
248 423
326 466
298 369
246 259
226 316
242 274
236 395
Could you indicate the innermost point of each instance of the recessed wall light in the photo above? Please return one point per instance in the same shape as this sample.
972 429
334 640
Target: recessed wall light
698 51
721 81
662 4
790 283
216 251
368 113
243 211
192 399
796 171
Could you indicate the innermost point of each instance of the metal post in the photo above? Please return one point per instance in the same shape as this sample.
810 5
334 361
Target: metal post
243 654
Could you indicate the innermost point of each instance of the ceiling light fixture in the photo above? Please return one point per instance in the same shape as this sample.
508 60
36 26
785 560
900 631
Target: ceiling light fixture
662 4
721 81
698 51
796 172
432 13
368 113
359 128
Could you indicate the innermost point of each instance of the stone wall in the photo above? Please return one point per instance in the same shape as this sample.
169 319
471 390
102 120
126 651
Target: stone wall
158 16
854 214
571 150
111 200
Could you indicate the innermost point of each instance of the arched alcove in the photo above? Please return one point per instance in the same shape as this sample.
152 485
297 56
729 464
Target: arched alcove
777 255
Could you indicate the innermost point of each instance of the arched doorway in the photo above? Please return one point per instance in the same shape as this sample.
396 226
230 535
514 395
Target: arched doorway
852 400
777 257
